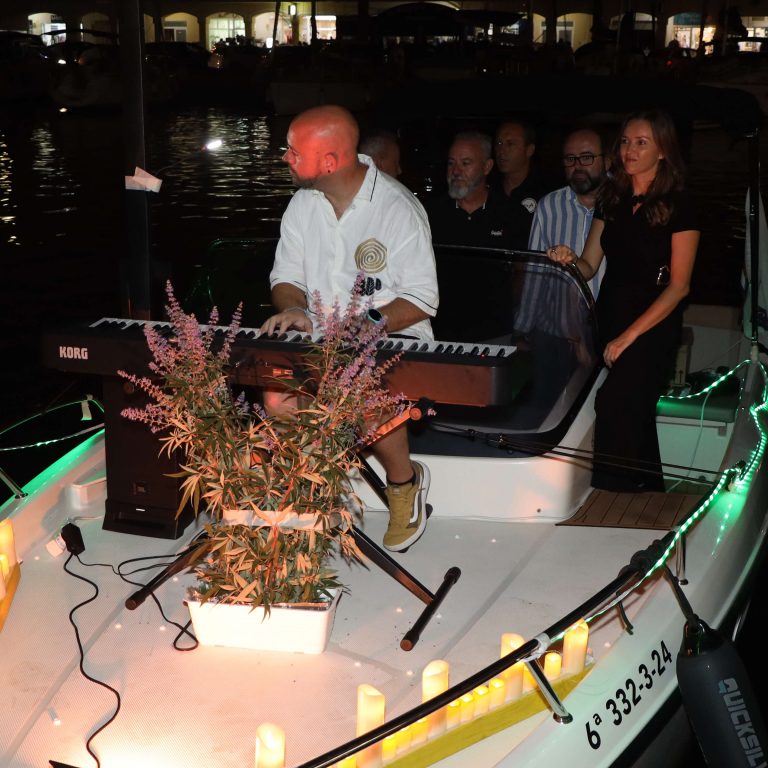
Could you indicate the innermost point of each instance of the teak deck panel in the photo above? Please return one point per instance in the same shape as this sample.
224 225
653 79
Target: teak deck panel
657 511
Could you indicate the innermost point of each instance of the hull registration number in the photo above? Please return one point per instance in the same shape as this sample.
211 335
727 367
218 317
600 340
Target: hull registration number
626 699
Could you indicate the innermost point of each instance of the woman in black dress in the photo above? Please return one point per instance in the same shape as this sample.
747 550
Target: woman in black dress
645 227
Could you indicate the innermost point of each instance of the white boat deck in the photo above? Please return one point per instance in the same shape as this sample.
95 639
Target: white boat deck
203 707
518 575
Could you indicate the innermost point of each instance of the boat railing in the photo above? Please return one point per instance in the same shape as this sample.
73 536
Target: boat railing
642 564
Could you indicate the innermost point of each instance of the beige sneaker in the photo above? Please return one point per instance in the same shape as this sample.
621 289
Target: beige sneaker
407 510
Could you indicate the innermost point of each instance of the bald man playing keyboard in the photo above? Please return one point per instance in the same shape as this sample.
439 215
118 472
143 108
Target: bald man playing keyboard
347 217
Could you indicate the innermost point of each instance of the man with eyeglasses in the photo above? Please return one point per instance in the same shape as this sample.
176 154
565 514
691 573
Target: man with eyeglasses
564 217
519 182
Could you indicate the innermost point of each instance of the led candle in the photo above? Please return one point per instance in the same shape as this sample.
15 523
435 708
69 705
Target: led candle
434 681
575 648
482 700
467 711
7 544
453 713
388 748
370 715
5 569
270 746
419 731
403 740
529 682
497 692
513 677
552 665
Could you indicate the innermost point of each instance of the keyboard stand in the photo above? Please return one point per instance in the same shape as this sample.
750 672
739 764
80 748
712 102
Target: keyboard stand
379 556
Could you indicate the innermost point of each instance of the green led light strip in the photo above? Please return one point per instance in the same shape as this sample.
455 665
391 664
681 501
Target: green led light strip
708 388
53 440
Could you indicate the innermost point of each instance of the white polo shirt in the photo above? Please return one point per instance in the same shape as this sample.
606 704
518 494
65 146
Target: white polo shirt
384 233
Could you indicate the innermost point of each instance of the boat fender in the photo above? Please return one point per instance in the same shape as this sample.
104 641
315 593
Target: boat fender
719 700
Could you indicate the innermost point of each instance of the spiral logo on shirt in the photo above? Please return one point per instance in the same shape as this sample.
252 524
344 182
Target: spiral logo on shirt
371 256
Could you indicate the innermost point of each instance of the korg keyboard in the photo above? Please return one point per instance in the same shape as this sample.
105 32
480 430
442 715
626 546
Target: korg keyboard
475 374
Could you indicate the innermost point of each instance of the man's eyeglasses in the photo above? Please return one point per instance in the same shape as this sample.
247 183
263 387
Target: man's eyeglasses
586 159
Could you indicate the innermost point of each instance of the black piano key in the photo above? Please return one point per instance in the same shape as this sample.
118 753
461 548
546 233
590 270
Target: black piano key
449 349
486 351
398 346
474 351
424 347
439 347
460 349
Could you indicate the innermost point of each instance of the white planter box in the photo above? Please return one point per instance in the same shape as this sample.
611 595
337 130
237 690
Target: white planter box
296 629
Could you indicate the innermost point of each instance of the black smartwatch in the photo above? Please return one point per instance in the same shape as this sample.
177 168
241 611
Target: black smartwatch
375 316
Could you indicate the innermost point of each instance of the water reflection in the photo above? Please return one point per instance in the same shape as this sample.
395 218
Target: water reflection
7 210
243 186
57 188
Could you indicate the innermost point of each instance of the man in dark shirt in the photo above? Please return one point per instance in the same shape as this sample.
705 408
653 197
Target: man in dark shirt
471 214
522 185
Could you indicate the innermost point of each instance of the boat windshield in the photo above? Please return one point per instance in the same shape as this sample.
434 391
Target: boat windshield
546 312
513 298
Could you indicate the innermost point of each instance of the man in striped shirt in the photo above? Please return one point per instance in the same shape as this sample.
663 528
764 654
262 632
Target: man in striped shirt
563 217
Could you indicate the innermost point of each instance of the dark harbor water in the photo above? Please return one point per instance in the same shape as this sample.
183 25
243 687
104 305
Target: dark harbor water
62 228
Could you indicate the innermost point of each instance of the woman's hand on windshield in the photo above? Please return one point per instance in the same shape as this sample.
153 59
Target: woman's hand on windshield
562 254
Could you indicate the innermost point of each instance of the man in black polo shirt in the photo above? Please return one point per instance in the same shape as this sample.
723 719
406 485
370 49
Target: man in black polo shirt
519 183
471 214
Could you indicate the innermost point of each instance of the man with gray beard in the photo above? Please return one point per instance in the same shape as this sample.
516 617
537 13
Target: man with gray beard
471 214
564 217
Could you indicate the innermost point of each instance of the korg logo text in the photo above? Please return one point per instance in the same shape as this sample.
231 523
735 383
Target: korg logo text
73 353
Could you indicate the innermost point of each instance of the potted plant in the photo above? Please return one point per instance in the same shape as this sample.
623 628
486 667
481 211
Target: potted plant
275 490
